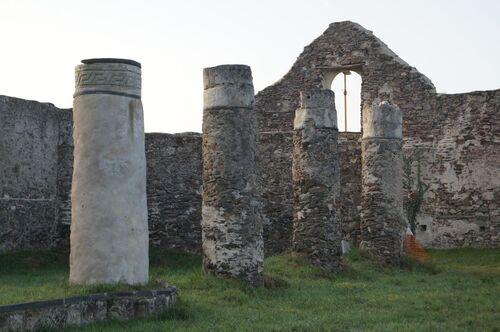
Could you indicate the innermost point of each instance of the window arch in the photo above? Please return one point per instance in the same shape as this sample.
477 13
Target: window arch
350 101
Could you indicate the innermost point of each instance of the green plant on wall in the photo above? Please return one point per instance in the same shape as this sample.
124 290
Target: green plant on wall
414 187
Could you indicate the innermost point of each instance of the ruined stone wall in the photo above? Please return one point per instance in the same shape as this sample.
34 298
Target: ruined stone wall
457 134
460 163
64 176
275 160
350 184
36 162
457 137
343 45
33 205
174 190
274 157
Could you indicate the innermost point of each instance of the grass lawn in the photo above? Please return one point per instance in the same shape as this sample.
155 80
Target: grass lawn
458 291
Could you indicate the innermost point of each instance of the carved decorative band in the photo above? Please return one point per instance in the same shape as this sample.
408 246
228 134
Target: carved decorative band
120 78
105 92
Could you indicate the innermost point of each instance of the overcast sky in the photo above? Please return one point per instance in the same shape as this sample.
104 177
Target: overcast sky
454 43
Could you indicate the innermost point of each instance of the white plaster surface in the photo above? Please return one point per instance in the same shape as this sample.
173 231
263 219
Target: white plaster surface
109 229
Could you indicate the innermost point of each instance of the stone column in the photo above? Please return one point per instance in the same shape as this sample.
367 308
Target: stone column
231 219
383 223
316 180
109 226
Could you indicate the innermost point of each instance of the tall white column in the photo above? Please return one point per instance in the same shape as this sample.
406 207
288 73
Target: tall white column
109 227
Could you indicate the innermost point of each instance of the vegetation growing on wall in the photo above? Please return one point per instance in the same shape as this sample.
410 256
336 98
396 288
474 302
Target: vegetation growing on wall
414 187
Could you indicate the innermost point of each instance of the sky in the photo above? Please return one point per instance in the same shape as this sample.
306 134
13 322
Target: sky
454 43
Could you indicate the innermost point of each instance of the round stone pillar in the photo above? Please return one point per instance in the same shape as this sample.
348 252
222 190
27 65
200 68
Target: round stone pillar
383 224
109 225
231 219
316 180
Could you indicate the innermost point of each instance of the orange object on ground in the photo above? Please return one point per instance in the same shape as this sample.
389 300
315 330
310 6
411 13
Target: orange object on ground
414 249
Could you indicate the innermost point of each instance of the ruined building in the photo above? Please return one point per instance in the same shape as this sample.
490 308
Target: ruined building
457 137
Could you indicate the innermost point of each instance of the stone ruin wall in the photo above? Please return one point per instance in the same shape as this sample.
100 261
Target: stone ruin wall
35 202
458 136
174 187
461 163
35 174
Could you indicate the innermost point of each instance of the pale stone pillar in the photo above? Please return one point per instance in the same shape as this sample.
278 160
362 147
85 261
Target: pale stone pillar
109 226
316 180
231 219
383 223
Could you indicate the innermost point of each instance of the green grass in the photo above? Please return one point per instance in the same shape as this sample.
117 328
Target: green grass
43 275
458 291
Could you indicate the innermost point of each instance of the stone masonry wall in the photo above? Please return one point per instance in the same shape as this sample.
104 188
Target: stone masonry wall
460 161
174 190
33 205
39 216
36 160
275 160
457 135
350 185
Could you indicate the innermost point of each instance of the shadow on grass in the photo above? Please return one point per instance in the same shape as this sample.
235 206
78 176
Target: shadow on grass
174 259
33 260
413 265
181 311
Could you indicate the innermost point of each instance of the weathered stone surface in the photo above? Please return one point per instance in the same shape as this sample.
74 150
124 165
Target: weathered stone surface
457 137
382 121
274 160
316 182
231 217
350 185
383 224
174 190
460 158
33 160
74 311
109 229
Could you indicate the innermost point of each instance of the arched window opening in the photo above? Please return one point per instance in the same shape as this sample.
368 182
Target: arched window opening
347 88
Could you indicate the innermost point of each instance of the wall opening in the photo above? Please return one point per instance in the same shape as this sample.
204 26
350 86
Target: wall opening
350 82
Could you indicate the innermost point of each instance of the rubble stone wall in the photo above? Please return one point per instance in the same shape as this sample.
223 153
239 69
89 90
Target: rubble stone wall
34 209
457 137
174 185
460 160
